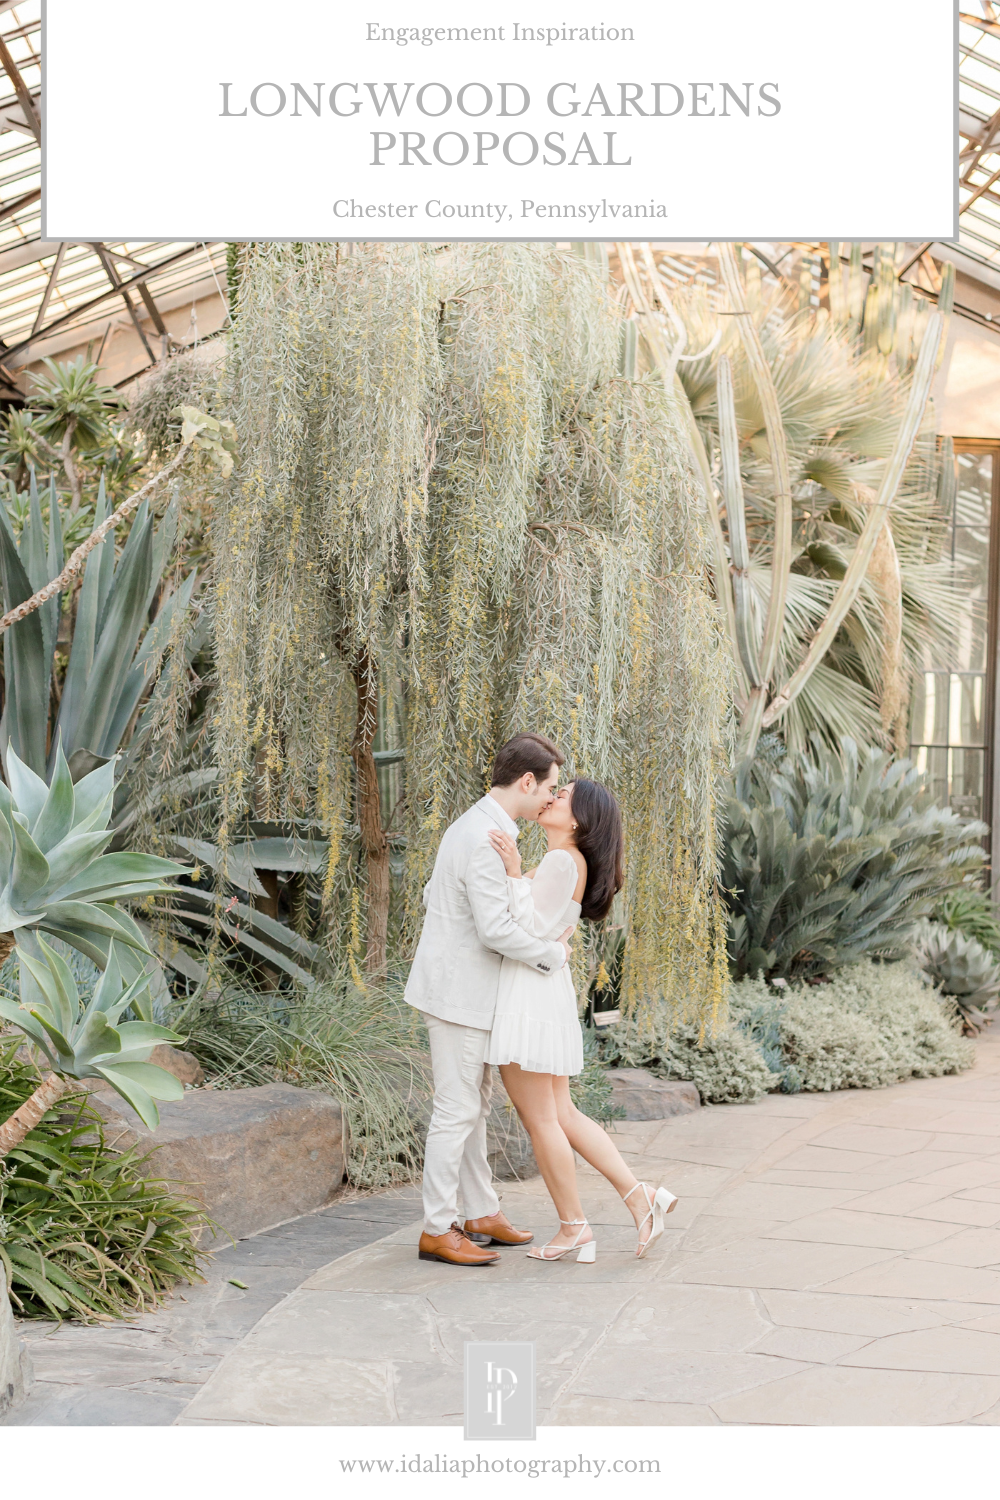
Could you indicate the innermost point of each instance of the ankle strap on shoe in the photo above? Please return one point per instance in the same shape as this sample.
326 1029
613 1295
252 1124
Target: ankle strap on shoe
572 1221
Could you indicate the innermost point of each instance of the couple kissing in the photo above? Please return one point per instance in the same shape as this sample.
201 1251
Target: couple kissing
491 978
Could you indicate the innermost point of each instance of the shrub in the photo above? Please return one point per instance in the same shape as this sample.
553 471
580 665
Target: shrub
873 1024
831 858
369 1051
726 1068
82 1232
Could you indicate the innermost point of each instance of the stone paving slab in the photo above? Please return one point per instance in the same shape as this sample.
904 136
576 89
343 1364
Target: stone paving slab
834 1260
832 1396
826 1266
147 1372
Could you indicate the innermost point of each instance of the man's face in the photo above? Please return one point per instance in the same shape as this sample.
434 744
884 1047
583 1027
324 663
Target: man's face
543 792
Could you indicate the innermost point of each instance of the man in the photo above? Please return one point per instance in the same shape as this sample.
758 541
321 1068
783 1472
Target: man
454 983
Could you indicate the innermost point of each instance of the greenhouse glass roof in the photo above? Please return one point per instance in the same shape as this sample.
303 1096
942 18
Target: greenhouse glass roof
53 295
979 130
49 289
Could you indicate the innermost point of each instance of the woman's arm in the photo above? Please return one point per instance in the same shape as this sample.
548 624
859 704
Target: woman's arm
488 892
538 904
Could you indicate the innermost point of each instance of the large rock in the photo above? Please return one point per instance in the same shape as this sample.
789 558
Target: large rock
14 1364
643 1096
183 1065
253 1157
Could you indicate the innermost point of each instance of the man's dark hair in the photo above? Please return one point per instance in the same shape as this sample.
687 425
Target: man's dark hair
525 752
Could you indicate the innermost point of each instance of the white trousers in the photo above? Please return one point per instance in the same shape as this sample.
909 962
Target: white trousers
455 1160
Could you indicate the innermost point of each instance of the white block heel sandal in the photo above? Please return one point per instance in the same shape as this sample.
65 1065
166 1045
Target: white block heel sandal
658 1206
585 1254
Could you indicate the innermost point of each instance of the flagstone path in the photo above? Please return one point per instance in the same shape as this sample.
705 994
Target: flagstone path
834 1260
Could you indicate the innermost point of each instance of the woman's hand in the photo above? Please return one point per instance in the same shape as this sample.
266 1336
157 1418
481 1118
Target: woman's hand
506 847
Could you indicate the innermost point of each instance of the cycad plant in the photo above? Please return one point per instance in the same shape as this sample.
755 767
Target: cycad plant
832 857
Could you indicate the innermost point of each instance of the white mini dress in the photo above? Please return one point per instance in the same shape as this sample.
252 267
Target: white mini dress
536 1023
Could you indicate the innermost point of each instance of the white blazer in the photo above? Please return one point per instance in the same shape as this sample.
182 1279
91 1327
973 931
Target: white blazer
468 928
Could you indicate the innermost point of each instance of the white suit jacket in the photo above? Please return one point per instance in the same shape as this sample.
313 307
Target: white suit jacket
468 928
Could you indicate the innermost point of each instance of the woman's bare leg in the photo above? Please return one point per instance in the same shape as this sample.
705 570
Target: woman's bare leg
597 1148
533 1096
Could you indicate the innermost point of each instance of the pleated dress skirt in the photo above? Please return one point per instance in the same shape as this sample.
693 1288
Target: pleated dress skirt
536 1023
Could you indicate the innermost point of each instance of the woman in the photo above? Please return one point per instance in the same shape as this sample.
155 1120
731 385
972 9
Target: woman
536 1040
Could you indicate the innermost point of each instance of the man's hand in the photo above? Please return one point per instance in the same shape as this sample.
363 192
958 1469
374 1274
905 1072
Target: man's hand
564 943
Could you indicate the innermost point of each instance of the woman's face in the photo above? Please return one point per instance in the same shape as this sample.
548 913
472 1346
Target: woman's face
558 816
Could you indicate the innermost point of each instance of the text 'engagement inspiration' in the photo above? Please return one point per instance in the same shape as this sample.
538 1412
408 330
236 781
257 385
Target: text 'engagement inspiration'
430 120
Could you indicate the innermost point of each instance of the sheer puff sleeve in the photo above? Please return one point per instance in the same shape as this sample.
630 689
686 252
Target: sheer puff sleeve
538 905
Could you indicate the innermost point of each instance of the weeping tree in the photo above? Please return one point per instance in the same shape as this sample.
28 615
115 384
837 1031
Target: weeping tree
813 436
455 510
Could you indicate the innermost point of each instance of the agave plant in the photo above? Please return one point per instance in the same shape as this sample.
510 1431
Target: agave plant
56 879
965 971
87 1040
830 858
114 655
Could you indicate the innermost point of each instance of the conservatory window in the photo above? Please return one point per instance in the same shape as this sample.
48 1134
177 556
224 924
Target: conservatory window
951 724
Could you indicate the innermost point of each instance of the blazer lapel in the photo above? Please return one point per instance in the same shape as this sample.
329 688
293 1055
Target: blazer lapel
486 805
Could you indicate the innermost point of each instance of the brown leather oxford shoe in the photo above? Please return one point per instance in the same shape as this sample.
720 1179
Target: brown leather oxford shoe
455 1249
496 1229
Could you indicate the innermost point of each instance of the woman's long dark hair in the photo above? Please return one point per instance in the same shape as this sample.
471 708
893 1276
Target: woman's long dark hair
599 840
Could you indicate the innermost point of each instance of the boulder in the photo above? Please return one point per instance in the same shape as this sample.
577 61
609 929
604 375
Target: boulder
252 1157
184 1066
14 1363
643 1096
